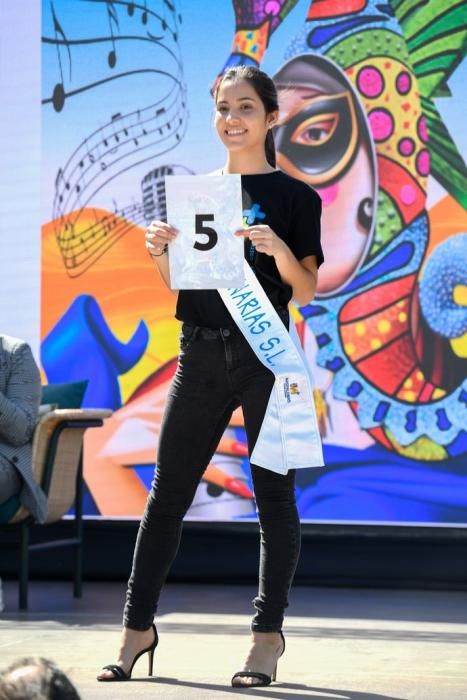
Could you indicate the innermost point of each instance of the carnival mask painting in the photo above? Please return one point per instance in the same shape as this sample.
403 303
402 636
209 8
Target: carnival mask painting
323 138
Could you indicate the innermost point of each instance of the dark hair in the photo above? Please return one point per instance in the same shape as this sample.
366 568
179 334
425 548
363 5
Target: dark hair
46 681
264 87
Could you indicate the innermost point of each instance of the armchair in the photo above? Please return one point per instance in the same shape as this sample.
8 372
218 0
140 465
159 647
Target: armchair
58 467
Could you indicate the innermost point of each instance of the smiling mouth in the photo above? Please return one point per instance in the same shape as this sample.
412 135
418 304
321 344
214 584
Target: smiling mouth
235 132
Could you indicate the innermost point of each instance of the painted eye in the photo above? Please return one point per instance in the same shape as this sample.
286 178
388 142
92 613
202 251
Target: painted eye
365 213
316 130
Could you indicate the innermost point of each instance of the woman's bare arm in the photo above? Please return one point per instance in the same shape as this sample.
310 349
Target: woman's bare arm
158 237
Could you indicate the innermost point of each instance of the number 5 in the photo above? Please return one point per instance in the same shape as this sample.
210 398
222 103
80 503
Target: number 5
202 230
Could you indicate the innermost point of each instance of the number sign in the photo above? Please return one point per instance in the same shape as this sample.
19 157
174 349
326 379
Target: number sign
206 210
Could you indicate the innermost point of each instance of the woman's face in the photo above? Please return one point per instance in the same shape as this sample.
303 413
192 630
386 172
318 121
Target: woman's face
240 120
318 141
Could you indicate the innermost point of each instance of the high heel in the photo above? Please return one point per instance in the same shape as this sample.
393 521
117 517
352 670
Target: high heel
263 678
118 672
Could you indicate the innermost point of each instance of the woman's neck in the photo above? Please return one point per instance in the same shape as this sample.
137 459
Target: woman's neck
246 164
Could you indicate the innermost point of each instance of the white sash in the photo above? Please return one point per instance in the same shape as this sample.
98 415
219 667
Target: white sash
289 437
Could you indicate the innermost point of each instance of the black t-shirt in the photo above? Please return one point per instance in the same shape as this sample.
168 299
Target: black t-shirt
292 209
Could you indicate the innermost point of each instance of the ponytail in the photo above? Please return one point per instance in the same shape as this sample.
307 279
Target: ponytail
270 148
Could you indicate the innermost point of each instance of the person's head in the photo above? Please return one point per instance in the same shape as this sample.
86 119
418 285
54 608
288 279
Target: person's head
35 678
246 110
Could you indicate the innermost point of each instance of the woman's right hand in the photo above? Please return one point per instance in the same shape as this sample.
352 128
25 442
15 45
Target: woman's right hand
157 235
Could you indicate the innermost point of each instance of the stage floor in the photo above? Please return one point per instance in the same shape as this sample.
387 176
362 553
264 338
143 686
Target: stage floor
342 644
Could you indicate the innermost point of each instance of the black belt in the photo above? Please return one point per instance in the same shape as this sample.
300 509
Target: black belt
212 333
209 333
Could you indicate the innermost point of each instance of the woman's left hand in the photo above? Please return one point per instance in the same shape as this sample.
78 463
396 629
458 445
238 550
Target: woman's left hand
263 239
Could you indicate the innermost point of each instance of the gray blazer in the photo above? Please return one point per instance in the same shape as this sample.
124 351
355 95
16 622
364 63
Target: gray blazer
20 394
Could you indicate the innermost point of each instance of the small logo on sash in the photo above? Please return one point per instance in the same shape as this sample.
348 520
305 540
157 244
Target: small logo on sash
291 390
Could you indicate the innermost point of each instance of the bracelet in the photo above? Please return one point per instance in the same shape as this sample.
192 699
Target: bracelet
164 251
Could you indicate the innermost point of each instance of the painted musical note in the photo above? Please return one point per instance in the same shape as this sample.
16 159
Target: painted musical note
61 184
58 96
171 7
58 177
90 155
113 18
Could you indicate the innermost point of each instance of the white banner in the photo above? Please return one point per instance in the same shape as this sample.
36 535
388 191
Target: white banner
289 437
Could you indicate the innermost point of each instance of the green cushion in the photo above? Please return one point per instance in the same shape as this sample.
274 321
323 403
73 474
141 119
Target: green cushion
8 509
65 395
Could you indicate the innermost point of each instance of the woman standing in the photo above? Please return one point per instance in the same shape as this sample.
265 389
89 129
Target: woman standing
218 371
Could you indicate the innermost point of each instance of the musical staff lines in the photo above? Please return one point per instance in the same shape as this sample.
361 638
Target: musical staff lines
99 157
150 19
105 154
146 13
82 247
129 137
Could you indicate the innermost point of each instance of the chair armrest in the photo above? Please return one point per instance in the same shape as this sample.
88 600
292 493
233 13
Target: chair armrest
49 429
47 434
57 415
50 420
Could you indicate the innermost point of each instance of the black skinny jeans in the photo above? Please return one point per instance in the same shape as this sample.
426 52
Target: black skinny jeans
217 372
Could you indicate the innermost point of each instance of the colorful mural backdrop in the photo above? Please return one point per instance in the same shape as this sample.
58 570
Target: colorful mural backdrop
363 85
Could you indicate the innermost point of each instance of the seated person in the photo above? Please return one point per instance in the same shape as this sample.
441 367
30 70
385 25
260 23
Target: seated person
35 679
20 393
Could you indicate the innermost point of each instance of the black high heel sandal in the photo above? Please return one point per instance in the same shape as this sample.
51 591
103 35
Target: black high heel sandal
118 672
262 677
